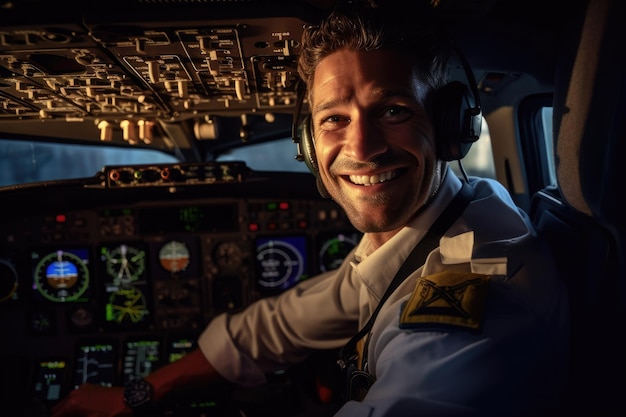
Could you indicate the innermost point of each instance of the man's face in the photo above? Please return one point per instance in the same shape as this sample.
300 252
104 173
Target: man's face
373 140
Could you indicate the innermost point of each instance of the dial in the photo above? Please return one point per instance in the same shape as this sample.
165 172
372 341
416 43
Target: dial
8 280
174 256
62 276
334 250
81 318
281 264
126 306
227 255
124 263
42 323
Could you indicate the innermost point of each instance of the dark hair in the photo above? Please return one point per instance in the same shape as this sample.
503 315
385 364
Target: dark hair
364 27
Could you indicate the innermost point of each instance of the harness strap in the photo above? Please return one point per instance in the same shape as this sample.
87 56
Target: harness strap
348 357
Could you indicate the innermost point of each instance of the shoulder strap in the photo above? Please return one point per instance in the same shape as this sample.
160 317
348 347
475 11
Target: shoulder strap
416 258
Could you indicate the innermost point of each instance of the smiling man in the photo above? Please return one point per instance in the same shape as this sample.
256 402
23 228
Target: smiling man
373 139
477 325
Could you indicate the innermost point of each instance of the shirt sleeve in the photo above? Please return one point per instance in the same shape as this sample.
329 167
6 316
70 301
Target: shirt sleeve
275 332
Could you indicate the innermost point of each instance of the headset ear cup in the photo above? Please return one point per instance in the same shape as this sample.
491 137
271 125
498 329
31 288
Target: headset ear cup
307 148
457 121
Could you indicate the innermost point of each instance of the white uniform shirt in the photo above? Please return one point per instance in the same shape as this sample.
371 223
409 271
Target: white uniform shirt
515 361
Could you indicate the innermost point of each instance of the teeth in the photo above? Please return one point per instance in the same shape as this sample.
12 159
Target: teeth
372 179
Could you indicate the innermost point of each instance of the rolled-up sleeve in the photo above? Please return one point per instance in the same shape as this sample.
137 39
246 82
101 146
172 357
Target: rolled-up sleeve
274 332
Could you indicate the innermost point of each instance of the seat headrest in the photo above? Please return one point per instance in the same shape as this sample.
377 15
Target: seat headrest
590 113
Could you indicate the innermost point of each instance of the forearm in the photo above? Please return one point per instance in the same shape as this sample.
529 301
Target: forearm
273 334
192 370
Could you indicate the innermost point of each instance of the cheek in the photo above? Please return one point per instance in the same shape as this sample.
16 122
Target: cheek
417 139
325 154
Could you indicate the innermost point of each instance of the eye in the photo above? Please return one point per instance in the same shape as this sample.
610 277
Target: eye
333 122
332 119
397 111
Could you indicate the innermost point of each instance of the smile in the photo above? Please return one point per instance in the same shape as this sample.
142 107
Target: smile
368 180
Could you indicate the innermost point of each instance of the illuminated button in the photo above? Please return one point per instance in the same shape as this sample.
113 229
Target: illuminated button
302 224
283 205
253 227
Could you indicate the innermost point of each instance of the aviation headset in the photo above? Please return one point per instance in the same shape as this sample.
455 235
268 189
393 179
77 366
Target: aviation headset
457 120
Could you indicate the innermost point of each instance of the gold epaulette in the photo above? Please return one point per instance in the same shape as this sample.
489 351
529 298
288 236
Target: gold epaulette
446 299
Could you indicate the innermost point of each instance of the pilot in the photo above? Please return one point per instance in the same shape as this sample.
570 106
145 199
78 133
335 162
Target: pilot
476 323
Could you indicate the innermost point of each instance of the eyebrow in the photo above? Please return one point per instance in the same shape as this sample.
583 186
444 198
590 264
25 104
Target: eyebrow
380 93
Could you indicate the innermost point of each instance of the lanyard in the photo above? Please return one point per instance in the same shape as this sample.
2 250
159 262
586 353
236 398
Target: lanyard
347 355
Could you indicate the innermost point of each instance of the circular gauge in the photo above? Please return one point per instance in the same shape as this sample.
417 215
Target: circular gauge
280 262
174 256
125 263
227 255
81 318
126 306
61 276
42 323
8 280
334 251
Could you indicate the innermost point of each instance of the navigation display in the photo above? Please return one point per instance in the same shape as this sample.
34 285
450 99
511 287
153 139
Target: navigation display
281 261
334 248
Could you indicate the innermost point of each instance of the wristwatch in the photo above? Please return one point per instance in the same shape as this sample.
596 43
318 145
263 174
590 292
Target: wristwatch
138 395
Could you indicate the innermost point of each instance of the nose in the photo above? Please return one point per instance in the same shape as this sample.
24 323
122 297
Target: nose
364 140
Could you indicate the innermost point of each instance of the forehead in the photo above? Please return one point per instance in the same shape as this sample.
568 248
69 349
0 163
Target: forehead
346 74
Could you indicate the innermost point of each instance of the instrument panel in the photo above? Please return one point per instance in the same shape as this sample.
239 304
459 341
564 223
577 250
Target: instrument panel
104 285
129 76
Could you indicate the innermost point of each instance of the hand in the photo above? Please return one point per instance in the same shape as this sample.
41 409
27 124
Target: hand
91 400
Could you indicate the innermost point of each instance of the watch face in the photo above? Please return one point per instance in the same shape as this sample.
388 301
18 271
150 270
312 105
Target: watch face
137 392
